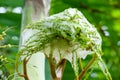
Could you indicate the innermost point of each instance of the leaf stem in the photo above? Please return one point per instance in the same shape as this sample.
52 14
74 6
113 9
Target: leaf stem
81 64
86 68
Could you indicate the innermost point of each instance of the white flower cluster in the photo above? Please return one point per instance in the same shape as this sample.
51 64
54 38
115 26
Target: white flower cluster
66 35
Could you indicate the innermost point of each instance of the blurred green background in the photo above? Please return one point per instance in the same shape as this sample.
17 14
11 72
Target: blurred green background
104 14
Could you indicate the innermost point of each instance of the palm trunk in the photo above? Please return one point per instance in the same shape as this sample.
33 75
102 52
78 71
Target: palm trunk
32 67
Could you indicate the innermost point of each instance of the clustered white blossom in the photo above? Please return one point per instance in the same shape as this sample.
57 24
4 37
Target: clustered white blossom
66 35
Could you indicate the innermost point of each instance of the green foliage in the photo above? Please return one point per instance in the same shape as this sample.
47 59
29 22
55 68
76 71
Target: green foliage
10 3
5 62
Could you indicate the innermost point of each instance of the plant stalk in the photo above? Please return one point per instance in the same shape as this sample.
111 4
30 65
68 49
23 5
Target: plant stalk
33 11
86 68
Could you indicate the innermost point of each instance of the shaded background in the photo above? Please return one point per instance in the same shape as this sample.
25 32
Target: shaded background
104 14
